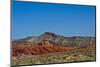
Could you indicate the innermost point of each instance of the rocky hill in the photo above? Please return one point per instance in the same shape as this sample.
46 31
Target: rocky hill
51 48
57 40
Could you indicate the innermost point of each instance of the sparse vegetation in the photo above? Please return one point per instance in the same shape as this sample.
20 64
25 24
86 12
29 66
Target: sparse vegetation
77 55
74 49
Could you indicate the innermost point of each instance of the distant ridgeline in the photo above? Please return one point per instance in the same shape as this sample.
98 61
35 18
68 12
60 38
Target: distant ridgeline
53 39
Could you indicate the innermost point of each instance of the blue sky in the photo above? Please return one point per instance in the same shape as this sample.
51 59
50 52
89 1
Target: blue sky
33 19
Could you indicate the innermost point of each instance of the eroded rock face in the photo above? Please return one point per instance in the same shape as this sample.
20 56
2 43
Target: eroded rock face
48 43
18 50
58 40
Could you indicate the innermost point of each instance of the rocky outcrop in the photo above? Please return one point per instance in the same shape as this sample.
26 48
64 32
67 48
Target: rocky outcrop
18 50
57 40
48 43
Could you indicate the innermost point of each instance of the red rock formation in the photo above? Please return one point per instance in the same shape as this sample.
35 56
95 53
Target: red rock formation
18 50
42 48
